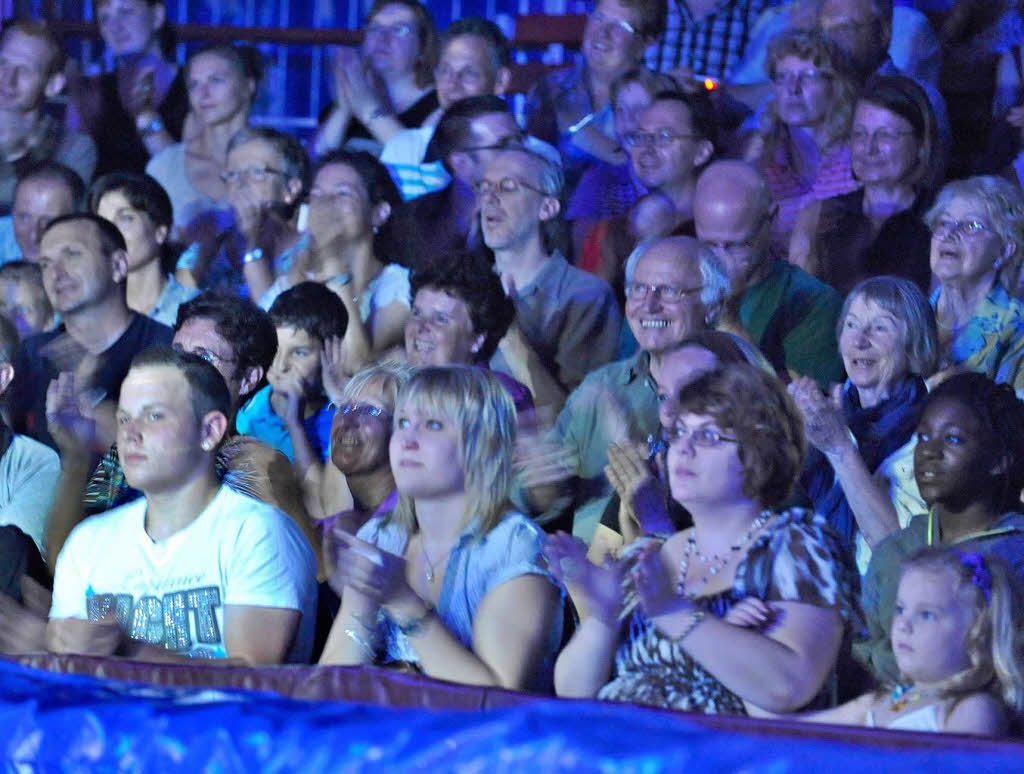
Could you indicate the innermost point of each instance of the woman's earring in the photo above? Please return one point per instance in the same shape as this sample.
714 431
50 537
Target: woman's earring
206 446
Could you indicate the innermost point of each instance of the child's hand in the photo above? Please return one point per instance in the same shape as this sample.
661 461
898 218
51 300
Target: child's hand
749 613
333 366
294 387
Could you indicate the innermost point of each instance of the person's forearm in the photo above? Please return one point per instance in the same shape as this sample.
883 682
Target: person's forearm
144 651
331 131
755 667
305 456
67 511
382 126
868 499
526 366
585 664
258 276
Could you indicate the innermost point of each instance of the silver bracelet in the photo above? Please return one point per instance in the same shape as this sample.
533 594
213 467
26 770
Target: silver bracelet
361 641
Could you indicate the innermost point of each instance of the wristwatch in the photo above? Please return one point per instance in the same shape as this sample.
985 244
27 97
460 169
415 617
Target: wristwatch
152 126
251 256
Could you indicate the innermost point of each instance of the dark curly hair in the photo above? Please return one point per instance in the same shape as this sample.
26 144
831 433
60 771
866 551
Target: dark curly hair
241 323
755 407
1001 414
469 276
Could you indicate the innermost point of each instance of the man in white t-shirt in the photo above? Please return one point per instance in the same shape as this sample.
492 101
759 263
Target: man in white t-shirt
473 62
193 569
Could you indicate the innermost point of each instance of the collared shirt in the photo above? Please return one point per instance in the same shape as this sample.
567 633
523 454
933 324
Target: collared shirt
791 317
477 565
992 341
614 404
403 156
571 318
711 45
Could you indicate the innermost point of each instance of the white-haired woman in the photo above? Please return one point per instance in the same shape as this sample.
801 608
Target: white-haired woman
451 581
977 230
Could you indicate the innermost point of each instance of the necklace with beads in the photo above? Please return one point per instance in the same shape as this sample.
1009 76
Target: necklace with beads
716 563
903 695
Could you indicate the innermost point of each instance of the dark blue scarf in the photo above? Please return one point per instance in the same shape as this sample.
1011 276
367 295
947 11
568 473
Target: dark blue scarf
880 430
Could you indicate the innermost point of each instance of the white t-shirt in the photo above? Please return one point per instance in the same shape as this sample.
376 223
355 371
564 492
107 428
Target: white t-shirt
28 483
239 551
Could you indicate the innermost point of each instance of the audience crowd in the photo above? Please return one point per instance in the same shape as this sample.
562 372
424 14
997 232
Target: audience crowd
701 388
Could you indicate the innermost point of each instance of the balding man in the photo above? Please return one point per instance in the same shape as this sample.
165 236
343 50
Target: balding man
674 288
783 310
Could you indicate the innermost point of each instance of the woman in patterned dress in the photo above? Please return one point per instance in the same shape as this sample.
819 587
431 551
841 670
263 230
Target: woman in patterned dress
745 610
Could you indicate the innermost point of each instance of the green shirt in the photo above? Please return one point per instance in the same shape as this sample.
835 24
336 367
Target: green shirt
791 317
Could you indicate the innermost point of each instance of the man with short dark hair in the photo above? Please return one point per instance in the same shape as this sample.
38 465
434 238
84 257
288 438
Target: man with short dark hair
196 569
43 193
473 62
84 263
32 71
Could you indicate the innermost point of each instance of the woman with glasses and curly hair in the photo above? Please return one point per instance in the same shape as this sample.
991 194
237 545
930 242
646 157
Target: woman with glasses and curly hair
744 611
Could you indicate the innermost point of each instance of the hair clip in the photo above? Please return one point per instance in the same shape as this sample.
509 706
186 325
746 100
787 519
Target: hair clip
981 577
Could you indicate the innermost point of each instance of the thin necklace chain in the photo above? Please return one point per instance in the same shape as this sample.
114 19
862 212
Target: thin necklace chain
715 563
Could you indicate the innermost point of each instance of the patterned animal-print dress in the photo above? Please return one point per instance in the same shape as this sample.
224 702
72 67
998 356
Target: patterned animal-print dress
797 558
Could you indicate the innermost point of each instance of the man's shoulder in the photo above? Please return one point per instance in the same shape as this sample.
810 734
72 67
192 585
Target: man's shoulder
579 285
103 527
144 331
25 452
798 282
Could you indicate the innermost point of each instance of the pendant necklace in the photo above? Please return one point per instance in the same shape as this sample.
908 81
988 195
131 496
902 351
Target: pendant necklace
716 563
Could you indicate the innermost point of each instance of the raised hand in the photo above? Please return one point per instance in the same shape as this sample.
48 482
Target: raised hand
655 589
334 368
823 421
600 588
69 417
377 574
749 613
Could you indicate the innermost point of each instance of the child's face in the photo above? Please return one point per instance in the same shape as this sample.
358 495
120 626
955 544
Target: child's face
297 360
26 306
930 624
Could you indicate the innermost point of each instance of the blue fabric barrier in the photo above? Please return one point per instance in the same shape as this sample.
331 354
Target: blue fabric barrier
72 723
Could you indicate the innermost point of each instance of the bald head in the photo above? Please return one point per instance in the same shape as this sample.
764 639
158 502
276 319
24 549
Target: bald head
861 28
732 212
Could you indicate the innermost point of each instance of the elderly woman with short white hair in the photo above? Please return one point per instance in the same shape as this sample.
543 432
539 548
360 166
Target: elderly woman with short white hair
977 230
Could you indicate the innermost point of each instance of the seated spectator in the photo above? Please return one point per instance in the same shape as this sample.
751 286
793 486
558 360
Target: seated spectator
674 290
567 321
23 299
359 483
139 107
955 635
222 82
292 413
473 62
803 148
28 478
676 137
787 314
33 62
84 262
266 177
877 229
467 136
385 87
350 203
859 472
607 190
141 210
682 597
977 230
459 314
242 584
571 108
443 581
969 466
42 194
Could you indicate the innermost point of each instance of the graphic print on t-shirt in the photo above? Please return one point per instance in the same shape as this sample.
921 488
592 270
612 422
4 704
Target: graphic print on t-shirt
180 621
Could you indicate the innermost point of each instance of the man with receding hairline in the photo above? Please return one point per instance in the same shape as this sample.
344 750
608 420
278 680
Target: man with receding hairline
788 314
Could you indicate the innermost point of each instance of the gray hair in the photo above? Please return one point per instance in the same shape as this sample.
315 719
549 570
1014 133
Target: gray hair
294 159
391 376
714 280
903 300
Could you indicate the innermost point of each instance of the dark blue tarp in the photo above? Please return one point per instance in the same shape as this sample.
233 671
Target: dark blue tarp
71 723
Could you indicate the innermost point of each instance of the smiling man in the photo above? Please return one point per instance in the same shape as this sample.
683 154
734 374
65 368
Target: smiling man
674 288
84 263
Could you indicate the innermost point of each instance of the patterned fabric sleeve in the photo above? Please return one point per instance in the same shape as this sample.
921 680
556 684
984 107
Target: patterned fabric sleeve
800 559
